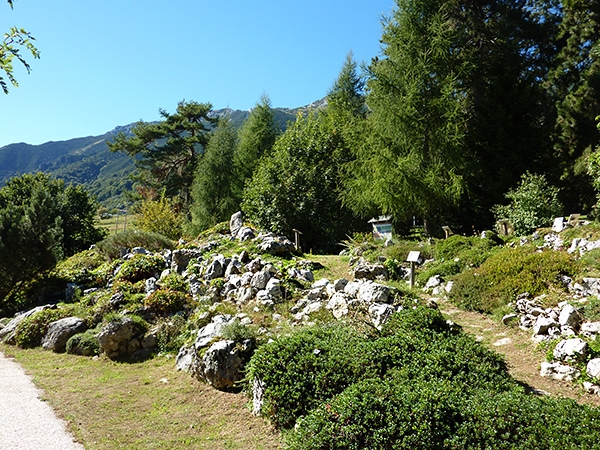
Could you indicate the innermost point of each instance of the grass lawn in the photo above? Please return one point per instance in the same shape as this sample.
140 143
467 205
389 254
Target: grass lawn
146 405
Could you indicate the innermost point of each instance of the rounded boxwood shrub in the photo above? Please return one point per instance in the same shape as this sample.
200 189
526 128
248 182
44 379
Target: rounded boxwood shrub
311 365
84 344
140 267
305 369
378 414
516 420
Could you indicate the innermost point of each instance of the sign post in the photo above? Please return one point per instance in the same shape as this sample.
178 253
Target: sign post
413 258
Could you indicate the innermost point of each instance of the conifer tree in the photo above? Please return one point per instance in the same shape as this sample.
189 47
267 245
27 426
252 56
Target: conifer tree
256 138
411 160
166 153
212 191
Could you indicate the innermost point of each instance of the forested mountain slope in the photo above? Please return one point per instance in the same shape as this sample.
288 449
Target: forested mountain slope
88 161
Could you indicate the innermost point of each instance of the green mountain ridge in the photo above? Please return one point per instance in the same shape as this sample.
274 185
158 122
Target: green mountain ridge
88 161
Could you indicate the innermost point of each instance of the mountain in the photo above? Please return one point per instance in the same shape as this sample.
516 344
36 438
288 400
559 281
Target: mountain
89 162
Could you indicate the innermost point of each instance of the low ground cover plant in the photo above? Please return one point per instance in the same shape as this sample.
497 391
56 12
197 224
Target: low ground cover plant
507 273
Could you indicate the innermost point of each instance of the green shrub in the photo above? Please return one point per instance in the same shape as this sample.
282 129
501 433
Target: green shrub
31 330
165 301
591 309
80 268
378 414
238 332
431 415
455 254
301 370
533 204
160 216
416 320
140 267
111 247
84 344
174 282
171 334
507 273
515 420
309 367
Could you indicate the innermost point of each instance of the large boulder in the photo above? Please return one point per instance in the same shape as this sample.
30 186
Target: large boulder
338 304
60 331
365 271
373 293
593 369
276 245
121 338
223 363
182 257
558 371
211 331
569 316
236 222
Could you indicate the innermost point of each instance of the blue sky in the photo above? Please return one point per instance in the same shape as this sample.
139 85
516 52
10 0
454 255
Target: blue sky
113 62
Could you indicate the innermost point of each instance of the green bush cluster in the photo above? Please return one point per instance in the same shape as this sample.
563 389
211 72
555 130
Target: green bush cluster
419 383
140 267
507 273
533 204
401 414
172 333
80 268
84 344
307 368
174 282
166 301
111 247
455 254
31 330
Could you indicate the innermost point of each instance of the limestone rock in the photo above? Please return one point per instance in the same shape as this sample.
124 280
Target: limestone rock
60 331
120 338
593 368
571 350
8 333
223 363
569 316
338 305
373 293
558 371
236 222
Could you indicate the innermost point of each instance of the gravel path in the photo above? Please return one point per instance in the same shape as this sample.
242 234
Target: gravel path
26 422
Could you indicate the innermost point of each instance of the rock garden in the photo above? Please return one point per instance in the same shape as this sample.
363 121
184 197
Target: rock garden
358 360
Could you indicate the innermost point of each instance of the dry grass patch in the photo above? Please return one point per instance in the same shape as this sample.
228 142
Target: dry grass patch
146 405
335 266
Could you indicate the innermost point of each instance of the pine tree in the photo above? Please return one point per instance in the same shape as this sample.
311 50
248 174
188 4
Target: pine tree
212 191
166 153
256 138
575 84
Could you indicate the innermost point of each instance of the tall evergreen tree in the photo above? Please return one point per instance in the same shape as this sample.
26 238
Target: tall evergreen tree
212 191
256 138
346 96
504 54
411 161
166 153
575 83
